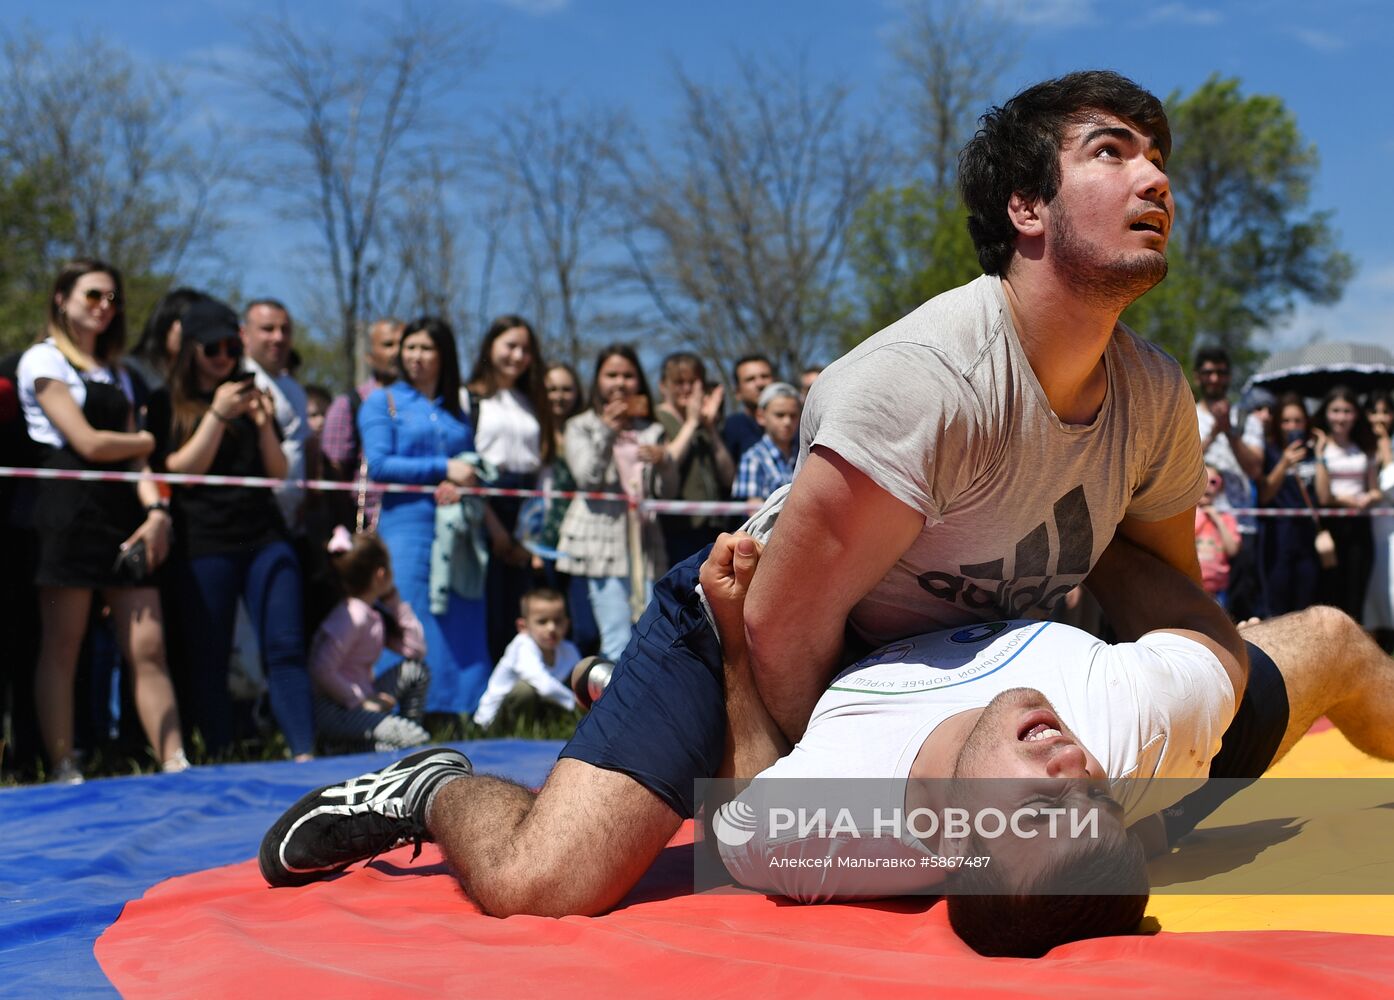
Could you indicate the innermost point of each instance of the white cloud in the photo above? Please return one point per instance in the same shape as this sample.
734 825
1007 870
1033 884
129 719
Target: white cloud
1321 41
1180 13
1382 278
1365 314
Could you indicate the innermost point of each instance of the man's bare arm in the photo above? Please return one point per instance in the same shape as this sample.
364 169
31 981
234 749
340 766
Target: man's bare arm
1172 540
753 741
837 537
1139 593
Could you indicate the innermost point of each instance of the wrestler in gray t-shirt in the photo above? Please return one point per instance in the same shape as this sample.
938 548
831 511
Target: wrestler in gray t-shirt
942 411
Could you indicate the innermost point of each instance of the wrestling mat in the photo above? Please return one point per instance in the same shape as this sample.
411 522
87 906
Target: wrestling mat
142 886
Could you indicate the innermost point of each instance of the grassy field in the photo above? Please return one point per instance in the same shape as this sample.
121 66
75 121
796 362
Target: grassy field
106 762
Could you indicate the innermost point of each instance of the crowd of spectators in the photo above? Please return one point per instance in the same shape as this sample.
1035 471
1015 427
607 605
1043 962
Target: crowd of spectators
165 618
1325 459
146 620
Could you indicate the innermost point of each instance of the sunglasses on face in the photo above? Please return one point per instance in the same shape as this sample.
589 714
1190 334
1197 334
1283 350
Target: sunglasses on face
96 295
1212 372
230 346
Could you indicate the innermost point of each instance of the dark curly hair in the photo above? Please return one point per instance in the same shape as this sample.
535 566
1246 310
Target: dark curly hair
1017 149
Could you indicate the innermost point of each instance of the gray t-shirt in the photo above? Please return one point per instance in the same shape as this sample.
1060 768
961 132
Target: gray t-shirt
942 411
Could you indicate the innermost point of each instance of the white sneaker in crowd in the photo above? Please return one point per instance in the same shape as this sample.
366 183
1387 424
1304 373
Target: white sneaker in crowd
67 773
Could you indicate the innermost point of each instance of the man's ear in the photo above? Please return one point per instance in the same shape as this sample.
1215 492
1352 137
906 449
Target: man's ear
1025 214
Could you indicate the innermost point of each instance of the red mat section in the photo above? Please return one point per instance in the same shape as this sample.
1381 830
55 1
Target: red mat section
396 929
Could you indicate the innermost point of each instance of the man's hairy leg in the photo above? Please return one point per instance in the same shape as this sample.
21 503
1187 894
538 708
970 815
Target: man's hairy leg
576 847
1331 667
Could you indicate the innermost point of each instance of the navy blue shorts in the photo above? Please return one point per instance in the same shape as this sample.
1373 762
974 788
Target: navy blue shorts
1246 750
662 720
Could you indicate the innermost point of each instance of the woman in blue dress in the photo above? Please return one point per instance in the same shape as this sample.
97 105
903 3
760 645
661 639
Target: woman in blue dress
412 432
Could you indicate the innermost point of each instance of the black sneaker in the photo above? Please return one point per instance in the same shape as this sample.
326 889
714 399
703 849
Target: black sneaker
332 827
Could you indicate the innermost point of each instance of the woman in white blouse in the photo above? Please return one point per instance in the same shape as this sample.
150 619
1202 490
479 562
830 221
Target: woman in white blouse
512 430
94 538
1346 480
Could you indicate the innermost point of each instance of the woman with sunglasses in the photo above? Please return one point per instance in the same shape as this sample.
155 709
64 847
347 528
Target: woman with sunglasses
107 537
230 541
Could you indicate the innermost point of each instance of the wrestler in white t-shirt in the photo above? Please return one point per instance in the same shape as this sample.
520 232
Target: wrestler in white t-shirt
1155 708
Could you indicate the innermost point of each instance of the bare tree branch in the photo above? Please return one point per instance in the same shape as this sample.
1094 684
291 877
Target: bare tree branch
738 237
554 166
354 128
954 54
112 143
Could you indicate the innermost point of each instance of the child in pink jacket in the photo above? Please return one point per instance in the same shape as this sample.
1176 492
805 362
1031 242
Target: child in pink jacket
351 706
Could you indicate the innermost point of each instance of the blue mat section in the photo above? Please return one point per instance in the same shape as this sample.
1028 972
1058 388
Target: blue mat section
70 857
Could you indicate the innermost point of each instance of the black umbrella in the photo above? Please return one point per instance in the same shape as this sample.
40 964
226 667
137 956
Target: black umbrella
1313 370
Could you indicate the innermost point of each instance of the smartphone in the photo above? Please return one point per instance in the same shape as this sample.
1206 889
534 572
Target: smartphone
133 564
245 377
1295 436
638 406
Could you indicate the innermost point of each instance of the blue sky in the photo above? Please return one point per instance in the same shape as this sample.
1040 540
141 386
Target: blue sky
1329 62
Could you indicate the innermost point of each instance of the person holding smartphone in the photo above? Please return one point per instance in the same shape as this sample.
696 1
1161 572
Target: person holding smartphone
615 447
94 538
1288 563
230 541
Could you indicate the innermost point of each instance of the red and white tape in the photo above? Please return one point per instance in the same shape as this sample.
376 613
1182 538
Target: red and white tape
658 506
334 485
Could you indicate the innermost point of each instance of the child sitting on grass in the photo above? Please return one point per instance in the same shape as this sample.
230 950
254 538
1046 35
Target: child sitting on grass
530 680
351 707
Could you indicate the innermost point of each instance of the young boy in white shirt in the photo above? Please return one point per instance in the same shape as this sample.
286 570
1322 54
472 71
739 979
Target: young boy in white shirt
535 667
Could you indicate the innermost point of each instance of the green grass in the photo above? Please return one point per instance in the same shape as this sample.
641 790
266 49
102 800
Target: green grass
104 763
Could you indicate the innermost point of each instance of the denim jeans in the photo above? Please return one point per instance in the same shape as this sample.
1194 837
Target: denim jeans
609 596
268 579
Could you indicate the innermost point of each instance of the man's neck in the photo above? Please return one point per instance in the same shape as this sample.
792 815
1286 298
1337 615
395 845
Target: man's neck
933 767
939 751
1064 336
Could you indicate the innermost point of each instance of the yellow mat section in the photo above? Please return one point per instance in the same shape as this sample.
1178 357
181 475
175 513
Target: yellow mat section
1307 840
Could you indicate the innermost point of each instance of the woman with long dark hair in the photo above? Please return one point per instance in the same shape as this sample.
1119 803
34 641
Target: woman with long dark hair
414 431
565 399
106 538
1288 561
614 447
1379 596
1345 480
158 348
231 541
512 430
